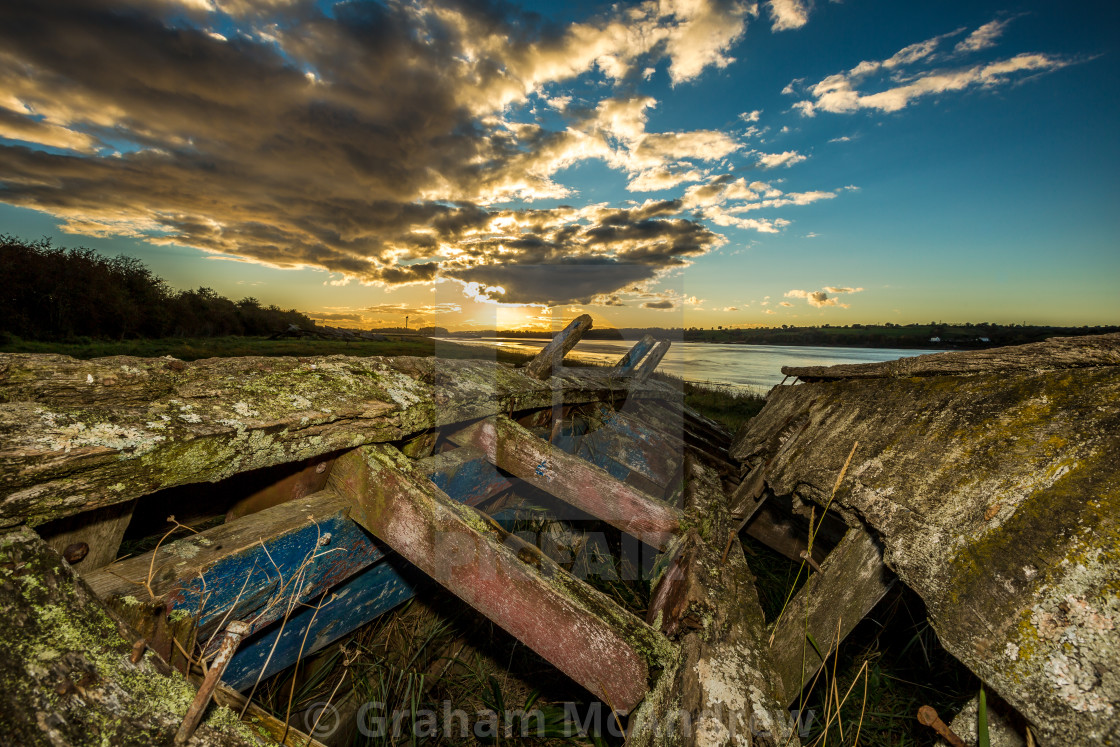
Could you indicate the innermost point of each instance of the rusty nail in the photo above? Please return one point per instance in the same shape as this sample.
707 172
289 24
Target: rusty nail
809 559
927 716
234 632
75 552
138 649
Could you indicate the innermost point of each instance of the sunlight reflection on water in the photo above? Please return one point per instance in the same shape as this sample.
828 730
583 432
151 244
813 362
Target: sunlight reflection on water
756 366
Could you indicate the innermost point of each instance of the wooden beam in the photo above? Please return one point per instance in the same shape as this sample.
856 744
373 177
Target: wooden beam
67 665
465 474
627 363
723 679
249 568
100 531
652 360
552 357
76 435
579 630
309 628
592 490
635 445
852 581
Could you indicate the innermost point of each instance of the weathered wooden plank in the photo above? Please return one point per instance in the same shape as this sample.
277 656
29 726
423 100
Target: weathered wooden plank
579 630
465 474
652 360
722 688
512 448
66 668
627 363
632 443
852 581
346 607
80 434
252 566
780 533
305 481
552 356
1054 354
100 531
995 492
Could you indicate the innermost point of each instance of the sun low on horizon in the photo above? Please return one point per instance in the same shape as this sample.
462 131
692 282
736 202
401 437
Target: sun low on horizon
664 163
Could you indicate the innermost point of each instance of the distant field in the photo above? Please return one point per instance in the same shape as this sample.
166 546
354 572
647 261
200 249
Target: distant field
189 349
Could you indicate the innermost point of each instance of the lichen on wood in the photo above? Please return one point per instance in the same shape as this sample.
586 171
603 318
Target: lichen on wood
76 435
996 496
65 673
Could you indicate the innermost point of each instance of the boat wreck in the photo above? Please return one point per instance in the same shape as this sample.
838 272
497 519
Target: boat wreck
986 482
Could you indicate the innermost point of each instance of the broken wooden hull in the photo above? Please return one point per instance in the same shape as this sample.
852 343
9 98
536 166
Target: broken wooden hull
390 460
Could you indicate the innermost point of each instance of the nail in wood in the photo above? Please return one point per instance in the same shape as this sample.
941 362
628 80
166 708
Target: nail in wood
927 716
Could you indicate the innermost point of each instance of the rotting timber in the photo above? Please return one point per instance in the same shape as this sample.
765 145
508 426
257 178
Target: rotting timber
987 482
361 478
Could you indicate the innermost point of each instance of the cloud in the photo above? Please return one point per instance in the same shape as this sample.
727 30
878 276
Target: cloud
371 141
821 298
666 305
982 38
908 75
787 14
730 308
785 303
774 160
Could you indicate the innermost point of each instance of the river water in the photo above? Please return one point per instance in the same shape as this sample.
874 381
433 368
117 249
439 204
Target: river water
755 366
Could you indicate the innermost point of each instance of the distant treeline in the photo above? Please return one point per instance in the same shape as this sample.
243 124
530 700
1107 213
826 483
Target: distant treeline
50 293
934 335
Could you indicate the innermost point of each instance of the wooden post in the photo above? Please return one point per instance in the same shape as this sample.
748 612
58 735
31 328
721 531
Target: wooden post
579 630
634 355
592 490
852 580
100 530
723 682
651 361
553 354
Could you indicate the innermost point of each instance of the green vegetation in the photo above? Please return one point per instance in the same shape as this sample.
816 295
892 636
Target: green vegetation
894 652
732 406
58 294
935 335
193 348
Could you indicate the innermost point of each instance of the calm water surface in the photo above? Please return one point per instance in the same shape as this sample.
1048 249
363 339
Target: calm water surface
757 366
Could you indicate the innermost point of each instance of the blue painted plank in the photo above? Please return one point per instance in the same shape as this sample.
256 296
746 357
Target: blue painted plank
350 605
465 475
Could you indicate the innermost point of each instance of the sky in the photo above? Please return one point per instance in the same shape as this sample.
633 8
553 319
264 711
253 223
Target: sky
660 163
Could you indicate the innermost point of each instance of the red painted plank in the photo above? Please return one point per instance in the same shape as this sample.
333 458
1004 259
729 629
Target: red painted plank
579 630
592 490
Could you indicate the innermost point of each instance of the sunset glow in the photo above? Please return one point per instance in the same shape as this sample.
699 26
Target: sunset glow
657 163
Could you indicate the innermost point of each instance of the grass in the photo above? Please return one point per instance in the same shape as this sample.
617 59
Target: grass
189 349
732 406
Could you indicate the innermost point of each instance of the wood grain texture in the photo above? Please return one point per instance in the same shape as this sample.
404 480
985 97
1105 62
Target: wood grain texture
579 630
852 581
996 497
76 435
723 681
1053 354
552 356
592 490
65 663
